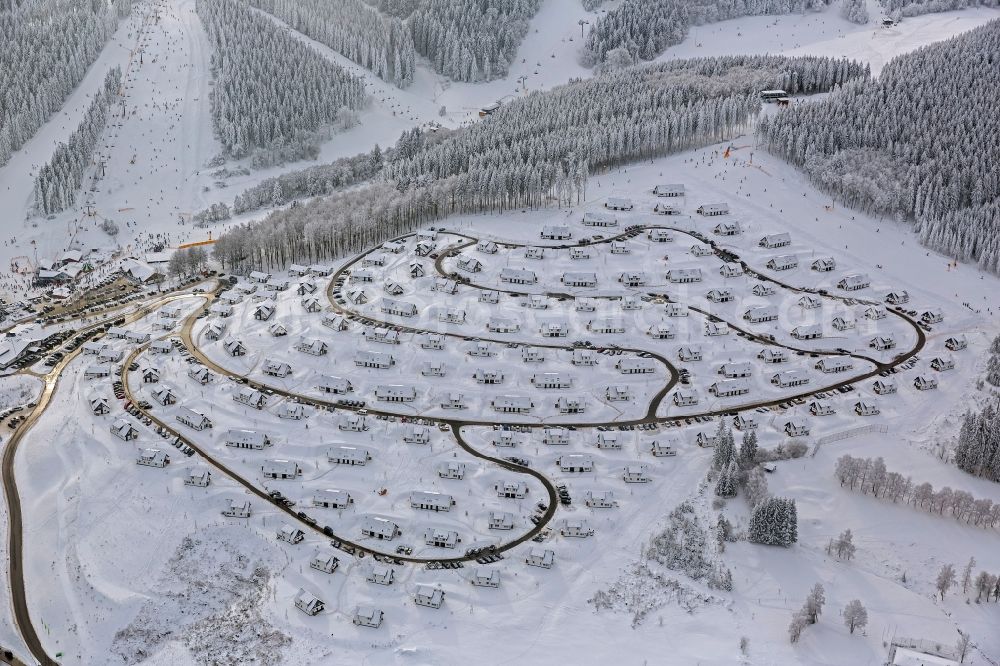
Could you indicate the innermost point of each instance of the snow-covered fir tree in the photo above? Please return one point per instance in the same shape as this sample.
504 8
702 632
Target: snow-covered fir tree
855 11
645 28
355 30
921 141
47 47
59 180
724 446
684 546
774 522
748 450
398 8
471 40
270 87
728 479
978 448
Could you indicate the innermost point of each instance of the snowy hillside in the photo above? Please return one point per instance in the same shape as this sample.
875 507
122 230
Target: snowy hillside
429 331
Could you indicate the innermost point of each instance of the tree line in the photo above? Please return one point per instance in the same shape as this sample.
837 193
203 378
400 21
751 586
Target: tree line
59 180
355 30
271 89
897 9
920 142
48 45
869 476
643 29
535 151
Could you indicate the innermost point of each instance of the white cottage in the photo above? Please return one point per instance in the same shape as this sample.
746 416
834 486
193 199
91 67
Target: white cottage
277 468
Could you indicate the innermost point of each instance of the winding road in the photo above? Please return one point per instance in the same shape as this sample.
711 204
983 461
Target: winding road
15 544
454 425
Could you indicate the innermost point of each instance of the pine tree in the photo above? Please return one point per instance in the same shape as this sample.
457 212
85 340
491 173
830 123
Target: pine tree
773 522
723 452
748 450
726 485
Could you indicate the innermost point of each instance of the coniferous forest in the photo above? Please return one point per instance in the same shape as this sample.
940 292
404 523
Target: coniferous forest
471 40
271 88
355 30
46 47
59 180
920 142
645 28
900 8
535 151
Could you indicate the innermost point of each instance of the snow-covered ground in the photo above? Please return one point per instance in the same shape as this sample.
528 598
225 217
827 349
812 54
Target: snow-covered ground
127 560
155 159
86 498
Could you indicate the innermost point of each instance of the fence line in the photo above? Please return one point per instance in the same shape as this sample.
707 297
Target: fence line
880 428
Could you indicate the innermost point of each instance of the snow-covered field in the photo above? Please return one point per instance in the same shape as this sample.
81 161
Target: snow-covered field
87 499
128 563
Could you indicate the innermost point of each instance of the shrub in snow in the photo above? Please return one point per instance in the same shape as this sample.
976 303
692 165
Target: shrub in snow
783 451
684 546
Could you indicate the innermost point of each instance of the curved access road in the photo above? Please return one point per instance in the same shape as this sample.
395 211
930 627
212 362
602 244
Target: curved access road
650 417
249 485
15 539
